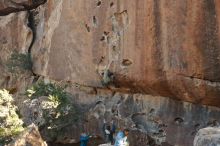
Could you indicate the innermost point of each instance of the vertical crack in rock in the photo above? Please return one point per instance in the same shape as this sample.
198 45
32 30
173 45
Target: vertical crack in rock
31 25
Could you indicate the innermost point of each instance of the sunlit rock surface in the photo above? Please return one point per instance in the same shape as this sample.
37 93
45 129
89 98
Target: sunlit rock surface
15 36
151 119
158 47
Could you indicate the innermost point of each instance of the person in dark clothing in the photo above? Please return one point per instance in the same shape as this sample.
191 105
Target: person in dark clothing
111 137
104 130
112 132
108 133
84 138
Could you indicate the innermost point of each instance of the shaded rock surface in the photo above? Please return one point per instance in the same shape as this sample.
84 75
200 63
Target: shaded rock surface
154 118
207 137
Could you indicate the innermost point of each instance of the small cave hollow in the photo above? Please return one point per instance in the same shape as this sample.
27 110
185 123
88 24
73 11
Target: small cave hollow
152 110
111 4
126 62
197 125
178 120
94 20
87 27
102 38
98 102
98 4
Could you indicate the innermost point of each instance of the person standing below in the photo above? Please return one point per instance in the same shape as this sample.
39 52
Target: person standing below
108 134
124 140
112 132
120 135
105 131
84 138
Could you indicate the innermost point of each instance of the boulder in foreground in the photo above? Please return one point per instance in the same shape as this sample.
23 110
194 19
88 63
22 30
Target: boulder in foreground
209 136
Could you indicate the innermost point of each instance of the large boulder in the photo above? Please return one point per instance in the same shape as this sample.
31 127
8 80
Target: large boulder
209 136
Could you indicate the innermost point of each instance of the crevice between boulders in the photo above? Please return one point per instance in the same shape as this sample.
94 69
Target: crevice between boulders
31 25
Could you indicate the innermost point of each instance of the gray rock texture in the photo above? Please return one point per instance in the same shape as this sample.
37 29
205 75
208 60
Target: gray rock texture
207 137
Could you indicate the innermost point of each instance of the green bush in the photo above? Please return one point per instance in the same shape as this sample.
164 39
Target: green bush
19 62
10 124
58 100
55 92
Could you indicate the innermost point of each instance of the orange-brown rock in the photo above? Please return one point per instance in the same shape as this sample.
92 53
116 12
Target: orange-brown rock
168 48
15 36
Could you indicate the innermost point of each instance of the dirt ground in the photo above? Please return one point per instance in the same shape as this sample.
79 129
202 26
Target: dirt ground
92 142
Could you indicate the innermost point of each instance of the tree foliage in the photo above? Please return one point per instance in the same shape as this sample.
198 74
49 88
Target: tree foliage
10 123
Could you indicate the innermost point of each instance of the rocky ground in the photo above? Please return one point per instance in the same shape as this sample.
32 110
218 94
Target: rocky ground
92 142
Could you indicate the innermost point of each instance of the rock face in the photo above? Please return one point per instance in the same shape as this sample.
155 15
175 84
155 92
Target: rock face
158 47
15 36
161 48
151 119
207 137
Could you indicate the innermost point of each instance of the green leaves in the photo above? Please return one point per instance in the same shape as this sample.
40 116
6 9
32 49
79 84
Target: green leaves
58 99
5 97
10 124
55 92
